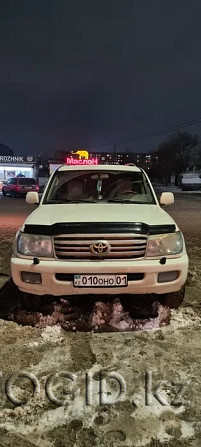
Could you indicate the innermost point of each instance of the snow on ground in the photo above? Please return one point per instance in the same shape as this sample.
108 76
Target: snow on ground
149 365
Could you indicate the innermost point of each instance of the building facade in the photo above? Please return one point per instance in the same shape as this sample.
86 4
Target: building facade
145 161
11 166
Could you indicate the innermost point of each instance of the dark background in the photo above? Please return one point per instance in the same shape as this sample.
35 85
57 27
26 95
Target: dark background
85 73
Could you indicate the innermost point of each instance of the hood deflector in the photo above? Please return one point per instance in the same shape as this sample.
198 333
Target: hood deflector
98 227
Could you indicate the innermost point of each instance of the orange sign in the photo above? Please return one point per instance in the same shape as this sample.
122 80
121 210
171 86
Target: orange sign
82 154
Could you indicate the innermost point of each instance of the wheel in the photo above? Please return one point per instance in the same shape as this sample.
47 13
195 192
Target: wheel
173 299
13 194
3 192
30 301
9 298
139 306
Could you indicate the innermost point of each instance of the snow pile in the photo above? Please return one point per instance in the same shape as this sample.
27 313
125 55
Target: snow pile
52 334
114 316
185 317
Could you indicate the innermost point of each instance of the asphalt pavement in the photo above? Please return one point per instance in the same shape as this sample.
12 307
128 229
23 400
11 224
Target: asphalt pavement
13 212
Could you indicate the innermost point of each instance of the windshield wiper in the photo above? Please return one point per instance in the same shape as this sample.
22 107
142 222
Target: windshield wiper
71 201
81 201
126 201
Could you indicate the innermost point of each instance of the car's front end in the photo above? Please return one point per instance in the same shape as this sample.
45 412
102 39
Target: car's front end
100 275
99 247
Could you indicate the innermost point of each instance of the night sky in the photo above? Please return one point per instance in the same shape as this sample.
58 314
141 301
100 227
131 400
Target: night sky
86 73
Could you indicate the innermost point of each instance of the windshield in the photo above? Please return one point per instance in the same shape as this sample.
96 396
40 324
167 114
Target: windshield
99 186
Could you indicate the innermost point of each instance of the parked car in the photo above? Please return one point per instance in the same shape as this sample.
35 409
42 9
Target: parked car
190 181
100 230
19 186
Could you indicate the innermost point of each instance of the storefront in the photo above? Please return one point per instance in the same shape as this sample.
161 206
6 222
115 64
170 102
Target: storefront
12 166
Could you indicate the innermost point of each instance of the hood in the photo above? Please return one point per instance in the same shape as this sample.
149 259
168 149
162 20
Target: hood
48 215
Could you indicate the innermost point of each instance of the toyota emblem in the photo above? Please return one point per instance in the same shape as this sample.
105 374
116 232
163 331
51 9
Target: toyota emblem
100 248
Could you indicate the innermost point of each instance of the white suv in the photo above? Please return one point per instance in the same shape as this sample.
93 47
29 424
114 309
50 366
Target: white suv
100 230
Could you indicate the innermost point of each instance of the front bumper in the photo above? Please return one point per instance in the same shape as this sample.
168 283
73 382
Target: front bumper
149 284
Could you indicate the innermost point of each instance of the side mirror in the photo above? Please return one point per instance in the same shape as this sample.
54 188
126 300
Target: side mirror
32 197
166 198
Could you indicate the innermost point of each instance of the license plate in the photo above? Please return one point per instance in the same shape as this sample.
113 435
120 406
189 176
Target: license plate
100 280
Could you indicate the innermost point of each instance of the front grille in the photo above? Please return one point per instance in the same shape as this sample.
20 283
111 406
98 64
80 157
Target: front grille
69 277
125 246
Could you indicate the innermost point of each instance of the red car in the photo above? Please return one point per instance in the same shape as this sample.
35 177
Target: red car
19 186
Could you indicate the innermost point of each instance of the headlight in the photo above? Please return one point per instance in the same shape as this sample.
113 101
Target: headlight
34 245
165 244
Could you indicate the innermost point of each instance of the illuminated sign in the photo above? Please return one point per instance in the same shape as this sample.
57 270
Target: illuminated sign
80 161
82 154
17 159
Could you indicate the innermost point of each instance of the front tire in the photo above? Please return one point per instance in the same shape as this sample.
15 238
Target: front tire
173 299
139 306
30 302
4 192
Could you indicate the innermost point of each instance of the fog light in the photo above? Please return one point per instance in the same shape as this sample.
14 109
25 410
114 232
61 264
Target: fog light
167 276
31 277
